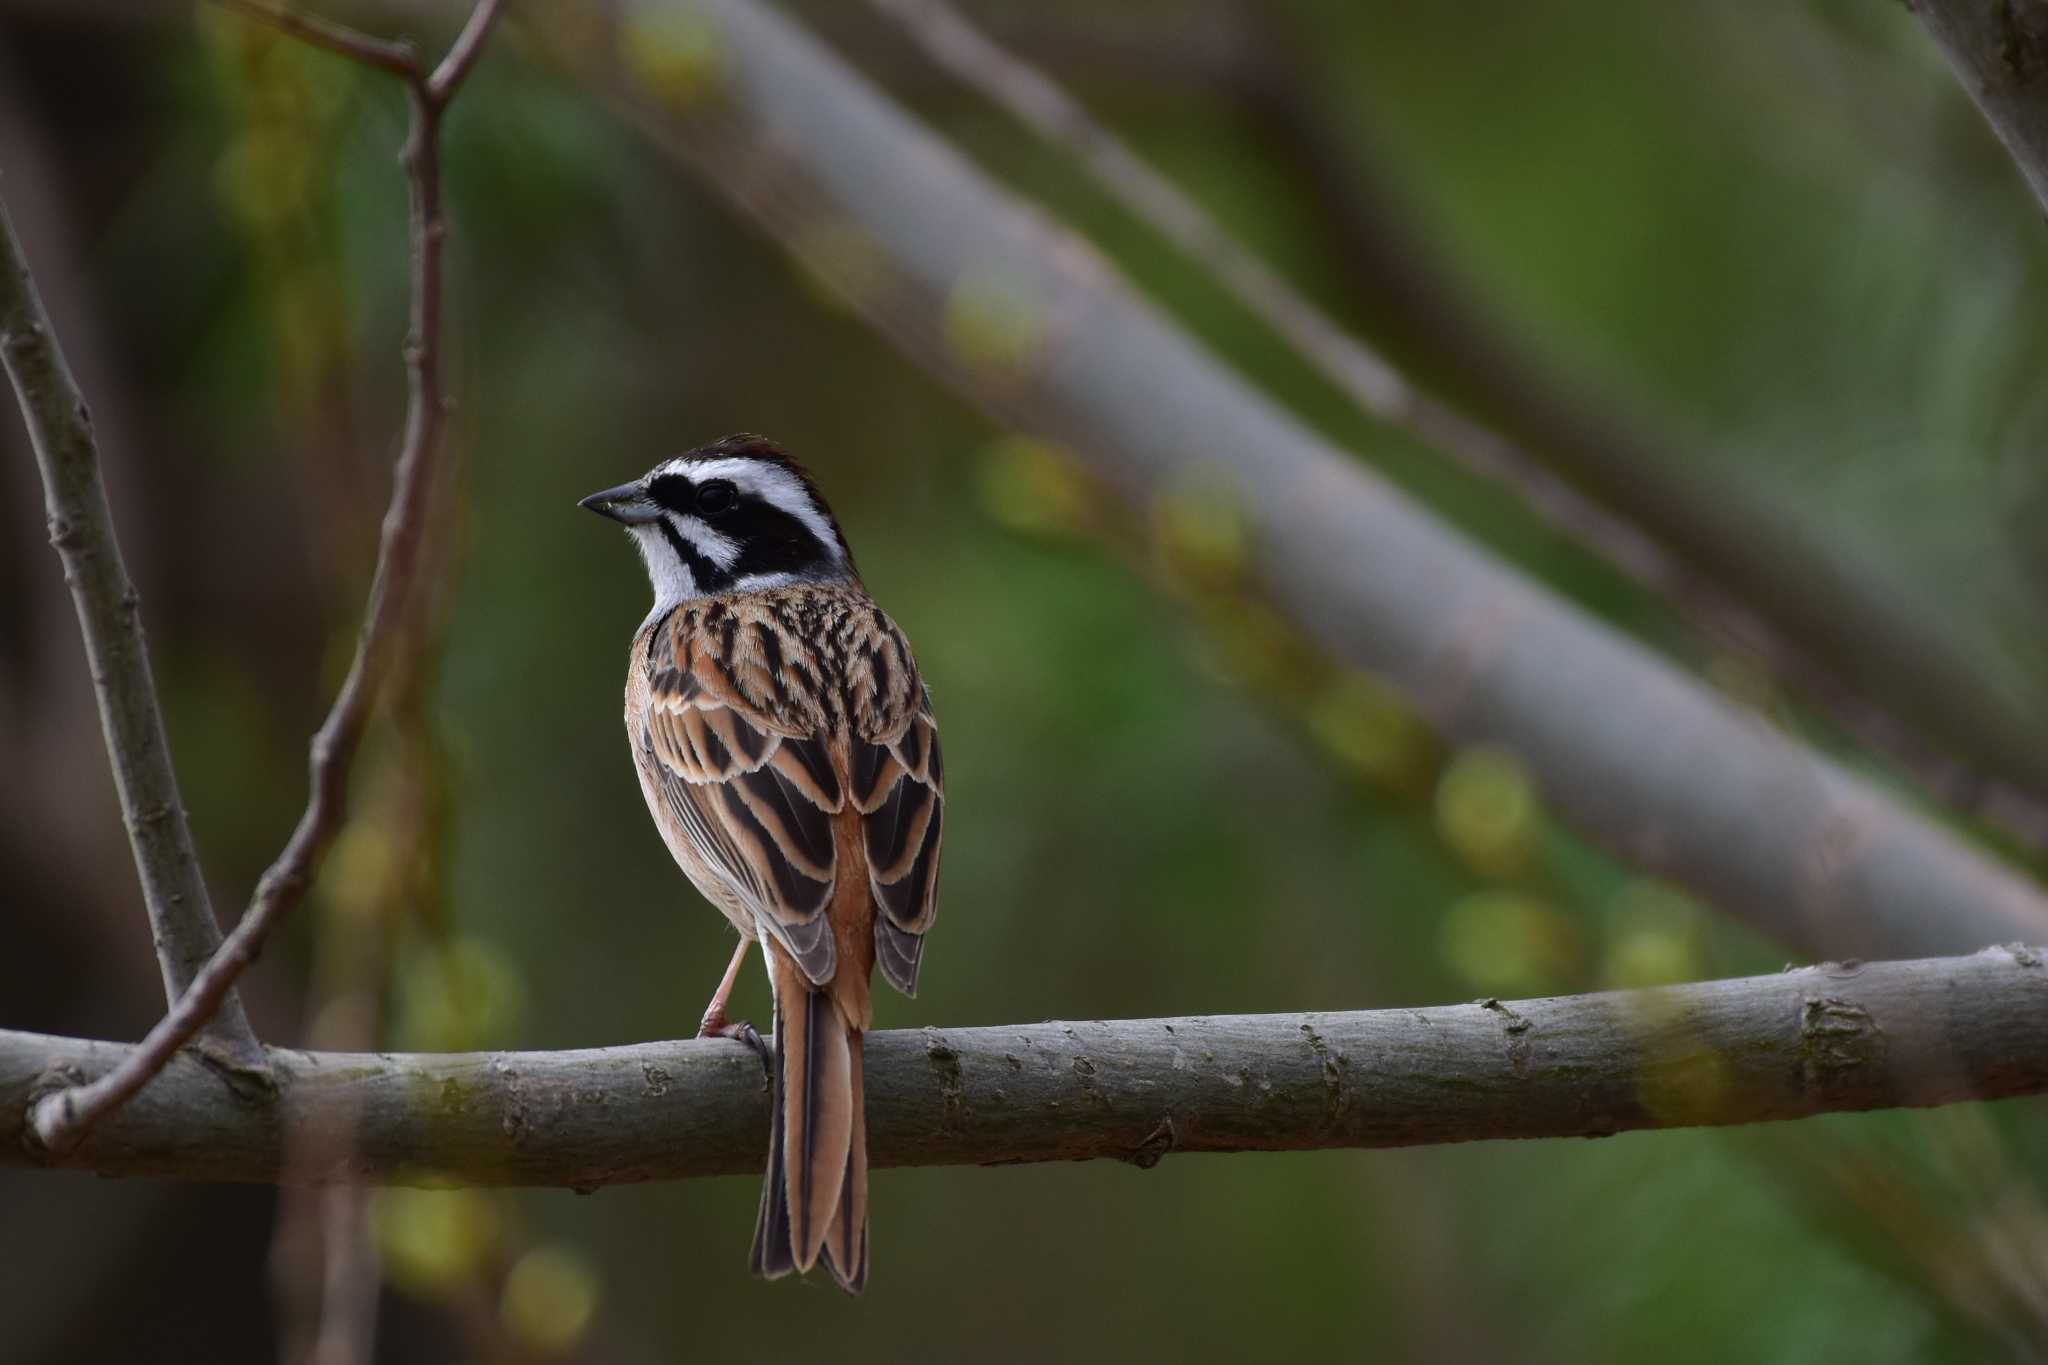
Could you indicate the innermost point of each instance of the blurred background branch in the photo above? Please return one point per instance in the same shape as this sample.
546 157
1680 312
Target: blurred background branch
1854 617
1999 52
1030 323
1834 1037
81 529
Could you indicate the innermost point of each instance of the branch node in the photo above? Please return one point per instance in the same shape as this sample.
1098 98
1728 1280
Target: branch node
944 1061
1841 1047
51 1129
1336 1095
2020 953
1514 1032
1154 1148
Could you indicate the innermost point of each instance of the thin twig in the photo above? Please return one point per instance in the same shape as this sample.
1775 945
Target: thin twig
396 57
181 915
1382 391
1830 1038
61 1118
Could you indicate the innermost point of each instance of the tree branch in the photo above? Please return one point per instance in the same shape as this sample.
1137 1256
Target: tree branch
1817 1040
1028 321
64 1116
1998 50
181 916
1854 639
1371 381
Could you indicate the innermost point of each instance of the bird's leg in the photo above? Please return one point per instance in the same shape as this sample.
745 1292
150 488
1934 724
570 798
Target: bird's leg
715 1024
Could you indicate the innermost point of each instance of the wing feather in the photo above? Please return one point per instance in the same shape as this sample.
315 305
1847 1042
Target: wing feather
896 783
754 795
739 724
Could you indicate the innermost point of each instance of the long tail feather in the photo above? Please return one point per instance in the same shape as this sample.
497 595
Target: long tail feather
815 1192
773 1256
846 1241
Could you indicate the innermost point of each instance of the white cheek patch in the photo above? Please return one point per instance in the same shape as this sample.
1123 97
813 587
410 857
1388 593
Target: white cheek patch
673 582
721 550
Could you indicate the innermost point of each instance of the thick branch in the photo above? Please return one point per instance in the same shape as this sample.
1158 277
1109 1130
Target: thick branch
65 1115
1816 1040
1999 51
1634 753
174 890
1850 634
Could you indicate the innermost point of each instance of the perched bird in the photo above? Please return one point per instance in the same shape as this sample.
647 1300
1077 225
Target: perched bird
786 747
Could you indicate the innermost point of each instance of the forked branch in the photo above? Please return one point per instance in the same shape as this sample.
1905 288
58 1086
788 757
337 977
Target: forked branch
62 1117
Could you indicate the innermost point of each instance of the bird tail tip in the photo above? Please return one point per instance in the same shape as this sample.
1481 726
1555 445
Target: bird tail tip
814 1196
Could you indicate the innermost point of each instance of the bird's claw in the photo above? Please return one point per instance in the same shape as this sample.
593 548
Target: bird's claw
740 1031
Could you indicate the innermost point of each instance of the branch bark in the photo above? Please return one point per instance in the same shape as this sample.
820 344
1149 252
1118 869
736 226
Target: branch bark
1634 753
1820 1039
181 917
1998 50
64 1116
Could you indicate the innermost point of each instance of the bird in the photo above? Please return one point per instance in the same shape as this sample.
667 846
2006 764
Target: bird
787 750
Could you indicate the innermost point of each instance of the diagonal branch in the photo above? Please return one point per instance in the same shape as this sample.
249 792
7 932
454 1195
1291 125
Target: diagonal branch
1354 368
181 916
1998 50
1025 319
64 1116
1831 1038
1853 640
1805 638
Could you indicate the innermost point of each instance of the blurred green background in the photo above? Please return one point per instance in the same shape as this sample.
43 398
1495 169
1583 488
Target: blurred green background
1777 233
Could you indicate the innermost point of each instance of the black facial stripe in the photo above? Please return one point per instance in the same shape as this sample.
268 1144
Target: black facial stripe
707 575
773 541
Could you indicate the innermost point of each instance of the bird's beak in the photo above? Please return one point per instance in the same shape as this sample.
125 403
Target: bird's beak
626 504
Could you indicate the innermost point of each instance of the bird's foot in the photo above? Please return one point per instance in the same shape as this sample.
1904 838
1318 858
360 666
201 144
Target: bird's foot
739 1030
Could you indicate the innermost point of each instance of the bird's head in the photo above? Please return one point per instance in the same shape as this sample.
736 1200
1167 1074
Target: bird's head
738 515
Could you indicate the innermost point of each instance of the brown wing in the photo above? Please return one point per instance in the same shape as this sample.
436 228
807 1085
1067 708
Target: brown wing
897 782
738 727
754 787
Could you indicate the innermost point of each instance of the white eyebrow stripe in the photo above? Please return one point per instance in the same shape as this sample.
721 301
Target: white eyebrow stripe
772 484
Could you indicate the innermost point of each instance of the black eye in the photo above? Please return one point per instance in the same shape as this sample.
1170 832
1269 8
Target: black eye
716 498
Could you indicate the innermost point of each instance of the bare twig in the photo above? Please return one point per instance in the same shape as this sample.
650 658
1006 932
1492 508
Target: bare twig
1822 1039
397 58
1999 52
1025 319
174 890
61 1118
1724 616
